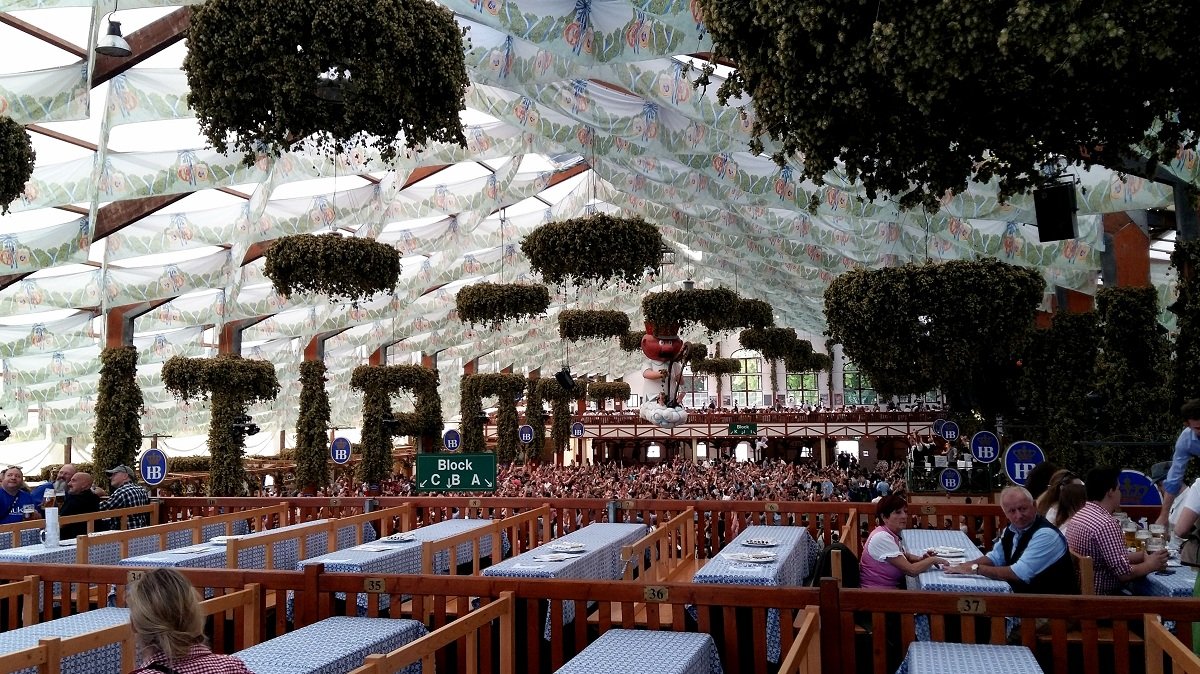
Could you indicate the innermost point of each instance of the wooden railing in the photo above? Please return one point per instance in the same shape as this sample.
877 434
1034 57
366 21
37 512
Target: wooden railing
15 529
804 657
35 657
1160 643
473 633
860 630
656 556
22 600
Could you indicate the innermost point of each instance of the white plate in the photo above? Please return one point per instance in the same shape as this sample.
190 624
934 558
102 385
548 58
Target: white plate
754 557
553 557
398 538
68 543
948 551
222 540
760 543
567 547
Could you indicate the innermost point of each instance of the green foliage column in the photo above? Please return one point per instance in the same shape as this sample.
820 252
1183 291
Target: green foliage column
1131 374
1057 373
535 416
378 383
1185 377
232 383
118 430
312 438
560 409
506 388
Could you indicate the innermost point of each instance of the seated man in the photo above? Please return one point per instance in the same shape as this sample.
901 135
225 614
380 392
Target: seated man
80 500
16 503
59 484
1031 555
1094 533
126 494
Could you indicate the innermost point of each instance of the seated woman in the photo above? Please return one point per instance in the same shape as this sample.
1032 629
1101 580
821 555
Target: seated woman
1047 503
884 562
168 627
1071 498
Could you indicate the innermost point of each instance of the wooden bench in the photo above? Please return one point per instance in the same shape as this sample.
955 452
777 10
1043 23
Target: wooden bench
474 629
1159 643
22 593
804 657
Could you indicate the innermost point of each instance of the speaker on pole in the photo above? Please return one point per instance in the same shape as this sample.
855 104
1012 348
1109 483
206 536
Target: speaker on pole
1054 206
564 379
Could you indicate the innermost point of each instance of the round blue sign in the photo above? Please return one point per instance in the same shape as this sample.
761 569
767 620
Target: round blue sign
950 479
985 447
339 450
153 466
937 426
452 440
1137 489
525 434
577 429
949 431
1020 458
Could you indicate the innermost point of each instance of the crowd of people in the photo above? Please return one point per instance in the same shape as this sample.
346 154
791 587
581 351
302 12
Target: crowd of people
73 492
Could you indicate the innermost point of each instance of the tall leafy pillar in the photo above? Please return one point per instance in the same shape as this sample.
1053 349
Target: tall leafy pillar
379 423
118 431
560 411
506 388
535 416
232 384
312 439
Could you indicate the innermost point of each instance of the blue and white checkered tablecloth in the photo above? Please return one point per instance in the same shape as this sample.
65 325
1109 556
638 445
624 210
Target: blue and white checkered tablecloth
103 660
601 561
917 541
399 556
38 553
1178 584
28 537
203 556
793 558
943 658
332 646
647 652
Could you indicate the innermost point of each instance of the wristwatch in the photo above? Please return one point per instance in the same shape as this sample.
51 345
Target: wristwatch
974 568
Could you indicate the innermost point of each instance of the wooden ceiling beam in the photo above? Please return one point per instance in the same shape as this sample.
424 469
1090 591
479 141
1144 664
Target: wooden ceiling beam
144 42
43 35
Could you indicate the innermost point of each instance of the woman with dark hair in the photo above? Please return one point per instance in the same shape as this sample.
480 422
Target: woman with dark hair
884 562
1039 478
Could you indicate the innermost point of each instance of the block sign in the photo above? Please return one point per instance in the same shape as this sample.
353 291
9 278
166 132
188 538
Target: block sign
743 429
339 450
1021 458
525 434
452 440
950 479
949 431
577 429
456 472
153 466
985 447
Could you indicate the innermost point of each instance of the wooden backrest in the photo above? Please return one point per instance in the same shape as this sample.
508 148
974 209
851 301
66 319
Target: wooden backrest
450 544
1160 642
835 566
35 656
848 534
299 532
529 529
385 517
470 628
1086 572
58 648
13 531
27 588
262 517
670 545
804 657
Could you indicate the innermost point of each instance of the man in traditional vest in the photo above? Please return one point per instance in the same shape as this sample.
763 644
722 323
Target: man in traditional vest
1031 555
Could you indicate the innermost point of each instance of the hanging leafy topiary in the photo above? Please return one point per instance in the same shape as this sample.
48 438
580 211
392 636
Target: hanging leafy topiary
593 248
278 75
632 341
506 388
118 430
560 409
233 383
717 366
771 343
349 267
696 353
312 429
578 324
493 303
712 308
600 391
16 161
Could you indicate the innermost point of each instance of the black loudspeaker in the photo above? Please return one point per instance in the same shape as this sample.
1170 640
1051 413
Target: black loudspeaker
1054 206
565 380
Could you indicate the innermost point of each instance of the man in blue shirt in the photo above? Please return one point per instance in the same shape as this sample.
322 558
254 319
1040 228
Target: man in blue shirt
1187 446
14 498
1031 555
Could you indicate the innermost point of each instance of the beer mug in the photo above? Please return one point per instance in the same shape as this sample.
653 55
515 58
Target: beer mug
1130 528
1140 538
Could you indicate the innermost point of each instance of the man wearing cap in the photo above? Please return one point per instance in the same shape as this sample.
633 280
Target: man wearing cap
126 494
1187 446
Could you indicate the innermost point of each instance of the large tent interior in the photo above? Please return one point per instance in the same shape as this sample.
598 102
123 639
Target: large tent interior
129 206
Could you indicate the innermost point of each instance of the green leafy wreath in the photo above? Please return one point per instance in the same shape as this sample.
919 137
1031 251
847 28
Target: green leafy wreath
717 366
579 324
493 303
601 391
593 248
339 266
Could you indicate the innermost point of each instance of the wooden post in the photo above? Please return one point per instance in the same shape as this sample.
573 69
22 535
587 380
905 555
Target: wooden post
67 449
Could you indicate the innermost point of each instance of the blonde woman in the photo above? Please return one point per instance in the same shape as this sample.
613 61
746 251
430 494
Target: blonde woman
168 627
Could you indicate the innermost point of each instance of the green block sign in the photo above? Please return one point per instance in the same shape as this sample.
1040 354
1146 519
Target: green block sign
743 429
456 472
